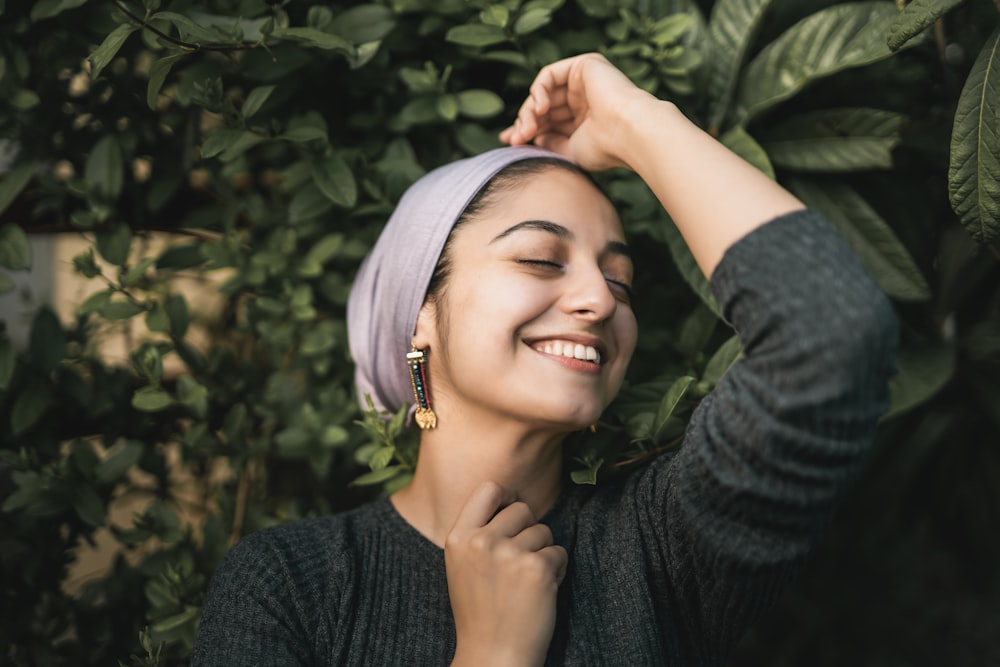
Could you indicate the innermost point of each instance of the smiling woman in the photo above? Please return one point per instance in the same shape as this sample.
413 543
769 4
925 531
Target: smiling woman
497 302
542 266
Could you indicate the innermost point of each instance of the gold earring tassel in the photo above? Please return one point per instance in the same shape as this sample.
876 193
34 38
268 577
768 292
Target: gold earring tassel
416 362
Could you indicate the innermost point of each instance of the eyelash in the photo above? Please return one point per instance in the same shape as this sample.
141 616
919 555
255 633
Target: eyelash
555 265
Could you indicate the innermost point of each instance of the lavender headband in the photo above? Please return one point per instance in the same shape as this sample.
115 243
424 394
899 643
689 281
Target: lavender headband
392 282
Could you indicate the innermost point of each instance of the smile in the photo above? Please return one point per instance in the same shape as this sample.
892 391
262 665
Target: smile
569 349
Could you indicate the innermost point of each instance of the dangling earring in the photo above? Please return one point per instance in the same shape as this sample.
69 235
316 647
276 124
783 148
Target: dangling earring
425 416
593 427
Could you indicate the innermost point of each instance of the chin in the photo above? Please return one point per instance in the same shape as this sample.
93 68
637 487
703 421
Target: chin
576 419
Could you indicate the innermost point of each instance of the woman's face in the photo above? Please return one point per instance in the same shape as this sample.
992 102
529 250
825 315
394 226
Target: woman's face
534 323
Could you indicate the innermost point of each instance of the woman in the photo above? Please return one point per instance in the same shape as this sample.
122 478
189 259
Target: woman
522 335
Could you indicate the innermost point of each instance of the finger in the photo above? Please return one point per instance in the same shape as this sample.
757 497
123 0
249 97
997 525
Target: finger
534 537
550 78
557 559
512 519
558 98
482 504
528 120
561 115
540 90
553 141
515 135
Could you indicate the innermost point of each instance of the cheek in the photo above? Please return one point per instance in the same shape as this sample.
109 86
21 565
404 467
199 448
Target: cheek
626 326
501 301
627 333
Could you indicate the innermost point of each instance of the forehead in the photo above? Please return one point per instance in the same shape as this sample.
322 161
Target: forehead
555 195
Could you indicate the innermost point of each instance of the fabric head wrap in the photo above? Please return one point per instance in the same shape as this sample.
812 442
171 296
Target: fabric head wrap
392 282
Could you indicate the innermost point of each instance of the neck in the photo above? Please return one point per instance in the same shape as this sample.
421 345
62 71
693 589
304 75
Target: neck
457 457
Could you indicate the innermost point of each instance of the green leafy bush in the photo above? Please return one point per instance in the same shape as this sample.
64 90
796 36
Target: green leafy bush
254 149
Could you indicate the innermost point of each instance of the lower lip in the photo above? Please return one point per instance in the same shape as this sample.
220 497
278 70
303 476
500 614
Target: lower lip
573 363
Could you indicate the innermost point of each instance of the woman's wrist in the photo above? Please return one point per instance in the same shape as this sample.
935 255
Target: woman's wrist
492 659
644 123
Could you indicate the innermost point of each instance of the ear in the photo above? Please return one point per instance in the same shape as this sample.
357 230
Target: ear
425 332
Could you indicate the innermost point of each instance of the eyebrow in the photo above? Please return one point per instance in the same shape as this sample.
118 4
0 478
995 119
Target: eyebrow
614 247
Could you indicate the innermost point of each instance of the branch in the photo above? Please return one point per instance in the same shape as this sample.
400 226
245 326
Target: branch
187 46
652 453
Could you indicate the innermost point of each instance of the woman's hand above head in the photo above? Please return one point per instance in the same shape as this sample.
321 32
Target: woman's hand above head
588 111
503 576
576 107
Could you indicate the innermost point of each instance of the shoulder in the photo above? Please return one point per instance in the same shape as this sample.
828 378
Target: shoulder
299 554
279 590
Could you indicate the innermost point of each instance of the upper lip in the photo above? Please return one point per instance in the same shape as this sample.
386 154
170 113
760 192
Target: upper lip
582 339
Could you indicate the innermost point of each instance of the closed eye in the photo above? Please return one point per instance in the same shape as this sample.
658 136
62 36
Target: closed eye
625 288
540 262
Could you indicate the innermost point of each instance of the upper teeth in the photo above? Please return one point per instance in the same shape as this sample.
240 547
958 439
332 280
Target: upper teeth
569 349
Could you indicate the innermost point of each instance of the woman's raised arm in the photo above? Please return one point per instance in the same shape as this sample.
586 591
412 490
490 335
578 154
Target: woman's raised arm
587 110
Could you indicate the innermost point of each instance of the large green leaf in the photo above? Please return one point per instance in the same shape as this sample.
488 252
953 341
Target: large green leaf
29 406
364 23
835 140
8 363
14 181
229 28
669 403
115 244
478 103
48 341
188 29
157 76
832 40
334 179
974 173
476 34
151 399
696 35
120 459
104 171
732 28
915 17
868 235
108 49
307 203
688 266
88 505
255 100
728 354
15 249
44 9
314 38
921 371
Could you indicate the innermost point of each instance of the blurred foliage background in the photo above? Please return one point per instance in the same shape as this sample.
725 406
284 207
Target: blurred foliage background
223 166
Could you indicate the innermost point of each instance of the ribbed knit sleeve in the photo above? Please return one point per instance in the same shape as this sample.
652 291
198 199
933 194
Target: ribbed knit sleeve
254 611
772 449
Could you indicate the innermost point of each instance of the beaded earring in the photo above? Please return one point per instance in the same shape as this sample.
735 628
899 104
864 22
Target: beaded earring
415 361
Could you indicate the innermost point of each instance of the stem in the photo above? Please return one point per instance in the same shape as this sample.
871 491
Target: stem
62 228
242 493
940 40
656 451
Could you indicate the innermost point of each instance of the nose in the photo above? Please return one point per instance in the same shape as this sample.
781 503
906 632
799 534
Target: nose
588 295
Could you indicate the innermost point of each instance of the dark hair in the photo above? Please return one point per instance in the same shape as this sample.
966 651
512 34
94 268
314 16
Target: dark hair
503 181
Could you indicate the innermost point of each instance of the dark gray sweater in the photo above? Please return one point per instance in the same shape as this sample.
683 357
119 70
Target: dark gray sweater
668 566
